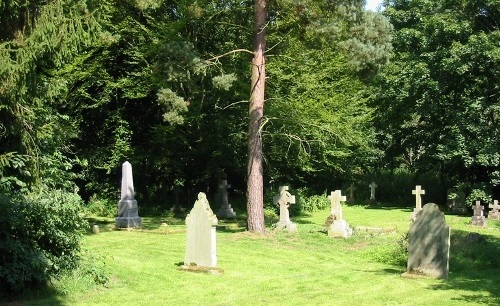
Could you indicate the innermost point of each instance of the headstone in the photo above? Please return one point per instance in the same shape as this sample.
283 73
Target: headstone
337 226
456 201
494 213
478 218
201 243
351 190
372 190
177 208
418 201
127 207
225 211
429 243
284 199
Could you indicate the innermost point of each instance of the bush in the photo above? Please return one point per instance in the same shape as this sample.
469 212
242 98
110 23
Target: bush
101 207
39 237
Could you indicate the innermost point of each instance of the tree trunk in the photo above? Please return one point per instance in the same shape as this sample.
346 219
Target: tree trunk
255 190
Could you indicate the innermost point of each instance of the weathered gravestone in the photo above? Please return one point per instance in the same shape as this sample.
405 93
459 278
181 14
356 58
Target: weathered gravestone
418 201
127 207
177 208
372 190
456 201
478 218
337 226
494 213
429 243
200 242
284 199
225 211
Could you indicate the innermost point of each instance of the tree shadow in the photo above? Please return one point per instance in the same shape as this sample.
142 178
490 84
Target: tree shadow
42 295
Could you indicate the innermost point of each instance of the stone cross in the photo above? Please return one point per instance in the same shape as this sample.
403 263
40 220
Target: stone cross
127 207
372 190
478 217
284 199
494 211
351 190
225 211
335 198
429 243
201 239
418 200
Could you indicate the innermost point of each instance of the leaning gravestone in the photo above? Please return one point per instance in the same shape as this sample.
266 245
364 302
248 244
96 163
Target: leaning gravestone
429 243
127 207
284 199
225 211
337 226
418 201
478 218
494 213
200 243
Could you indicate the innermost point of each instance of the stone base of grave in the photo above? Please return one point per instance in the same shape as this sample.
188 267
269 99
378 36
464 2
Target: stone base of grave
287 226
226 212
128 214
494 216
339 228
201 269
478 221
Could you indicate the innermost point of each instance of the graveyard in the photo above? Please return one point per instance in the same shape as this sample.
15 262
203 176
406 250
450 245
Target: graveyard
143 264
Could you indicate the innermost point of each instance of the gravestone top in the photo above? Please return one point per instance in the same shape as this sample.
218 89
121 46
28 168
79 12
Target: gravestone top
127 207
336 198
494 213
429 243
284 199
372 190
201 240
478 218
418 201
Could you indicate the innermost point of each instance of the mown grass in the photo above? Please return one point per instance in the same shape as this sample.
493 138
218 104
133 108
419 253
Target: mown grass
306 268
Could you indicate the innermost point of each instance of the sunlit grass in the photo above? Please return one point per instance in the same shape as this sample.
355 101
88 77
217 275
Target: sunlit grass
306 268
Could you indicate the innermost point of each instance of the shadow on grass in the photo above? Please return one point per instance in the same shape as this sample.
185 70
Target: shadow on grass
44 295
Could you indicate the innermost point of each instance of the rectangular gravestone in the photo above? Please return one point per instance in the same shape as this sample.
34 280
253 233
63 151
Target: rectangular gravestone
429 243
494 213
201 242
284 199
127 207
478 218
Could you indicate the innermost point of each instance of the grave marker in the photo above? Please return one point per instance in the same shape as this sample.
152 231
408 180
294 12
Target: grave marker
372 190
200 240
418 201
337 226
351 190
494 213
478 218
225 211
429 243
127 207
456 201
284 199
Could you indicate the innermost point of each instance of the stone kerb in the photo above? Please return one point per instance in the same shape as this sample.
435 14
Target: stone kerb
284 199
127 207
429 243
201 234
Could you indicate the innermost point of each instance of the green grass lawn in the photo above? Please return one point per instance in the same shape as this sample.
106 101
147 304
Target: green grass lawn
306 268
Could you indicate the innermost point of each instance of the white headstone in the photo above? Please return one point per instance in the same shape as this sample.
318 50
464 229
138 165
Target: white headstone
372 190
200 240
127 207
494 213
284 199
225 211
418 201
338 227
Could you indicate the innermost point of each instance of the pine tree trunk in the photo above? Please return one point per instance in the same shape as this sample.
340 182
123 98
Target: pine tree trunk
255 189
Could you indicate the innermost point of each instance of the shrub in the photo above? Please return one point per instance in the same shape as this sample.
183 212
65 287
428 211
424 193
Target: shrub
39 237
101 207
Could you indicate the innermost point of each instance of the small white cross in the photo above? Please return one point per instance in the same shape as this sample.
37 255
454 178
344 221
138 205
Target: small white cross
418 200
